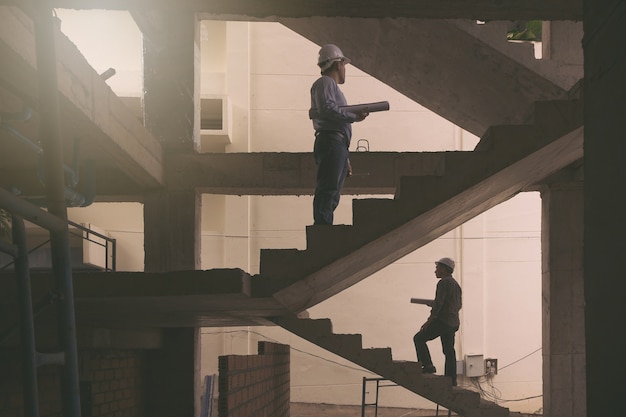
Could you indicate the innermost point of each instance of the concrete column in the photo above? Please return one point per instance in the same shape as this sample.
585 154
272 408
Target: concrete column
170 375
237 223
171 93
172 231
605 204
171 62
471 276
172 242
563 301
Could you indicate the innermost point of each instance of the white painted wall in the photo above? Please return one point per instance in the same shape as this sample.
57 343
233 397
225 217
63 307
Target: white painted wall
266 70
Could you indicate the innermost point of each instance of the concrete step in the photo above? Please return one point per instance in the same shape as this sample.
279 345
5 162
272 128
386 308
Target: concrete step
309 329
553 118
423 208
500 138
374 359
550 119
345 345
407 374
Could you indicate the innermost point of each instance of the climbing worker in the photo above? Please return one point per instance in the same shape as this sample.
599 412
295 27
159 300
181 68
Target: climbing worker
443 321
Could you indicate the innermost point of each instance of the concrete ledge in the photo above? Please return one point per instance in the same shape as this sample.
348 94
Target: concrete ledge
282 173
89 109
248 9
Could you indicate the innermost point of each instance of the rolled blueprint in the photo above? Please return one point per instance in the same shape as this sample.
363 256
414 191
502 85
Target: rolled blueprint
371 107
421 301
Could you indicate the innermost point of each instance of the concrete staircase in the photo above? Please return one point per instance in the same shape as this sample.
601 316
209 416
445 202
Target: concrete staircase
438 389
508 160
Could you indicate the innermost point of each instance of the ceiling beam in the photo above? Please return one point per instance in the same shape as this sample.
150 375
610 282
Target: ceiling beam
270 9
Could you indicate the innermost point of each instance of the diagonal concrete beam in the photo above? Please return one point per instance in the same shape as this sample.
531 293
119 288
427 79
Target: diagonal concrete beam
433 223
437 9
439 66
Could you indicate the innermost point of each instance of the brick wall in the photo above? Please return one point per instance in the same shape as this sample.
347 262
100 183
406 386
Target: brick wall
111 384
255 385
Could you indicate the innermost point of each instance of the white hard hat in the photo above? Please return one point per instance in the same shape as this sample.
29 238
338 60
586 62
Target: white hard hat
328 54
449 262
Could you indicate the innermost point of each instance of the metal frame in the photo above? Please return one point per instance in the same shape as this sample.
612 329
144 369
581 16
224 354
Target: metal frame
55 220
109 245
378 386
375 404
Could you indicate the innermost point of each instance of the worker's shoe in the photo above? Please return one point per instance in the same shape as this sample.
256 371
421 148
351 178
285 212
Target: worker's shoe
429 369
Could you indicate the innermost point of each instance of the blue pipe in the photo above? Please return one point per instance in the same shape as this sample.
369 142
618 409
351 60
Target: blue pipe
73 198
73 177
33 146
27 327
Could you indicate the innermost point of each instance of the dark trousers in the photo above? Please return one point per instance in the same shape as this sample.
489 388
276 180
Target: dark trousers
331 157
436 329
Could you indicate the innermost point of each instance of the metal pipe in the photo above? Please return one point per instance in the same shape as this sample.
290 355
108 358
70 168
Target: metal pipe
73 177
72 172
32 145
28 211
26 318
22 116
113 256
40 307
50 131
363 391
8 248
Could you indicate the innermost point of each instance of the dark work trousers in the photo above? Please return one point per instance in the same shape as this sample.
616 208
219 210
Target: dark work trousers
437 329
331 157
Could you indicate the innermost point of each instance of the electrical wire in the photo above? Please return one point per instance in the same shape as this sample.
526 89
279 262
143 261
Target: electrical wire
267 338
520 359
492 393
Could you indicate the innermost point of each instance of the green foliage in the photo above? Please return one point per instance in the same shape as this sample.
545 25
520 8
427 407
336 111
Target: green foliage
525 30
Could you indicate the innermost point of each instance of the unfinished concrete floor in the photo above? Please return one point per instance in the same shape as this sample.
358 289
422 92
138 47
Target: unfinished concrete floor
331 410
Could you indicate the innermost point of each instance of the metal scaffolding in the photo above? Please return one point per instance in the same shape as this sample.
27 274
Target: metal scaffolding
55 220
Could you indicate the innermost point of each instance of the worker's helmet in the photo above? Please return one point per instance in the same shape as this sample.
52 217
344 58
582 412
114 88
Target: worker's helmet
328 54
449 262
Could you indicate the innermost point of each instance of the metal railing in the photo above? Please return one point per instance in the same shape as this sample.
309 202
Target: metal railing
55 220
108 243
378 387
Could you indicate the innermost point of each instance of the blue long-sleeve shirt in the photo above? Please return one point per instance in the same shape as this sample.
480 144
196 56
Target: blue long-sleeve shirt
326 111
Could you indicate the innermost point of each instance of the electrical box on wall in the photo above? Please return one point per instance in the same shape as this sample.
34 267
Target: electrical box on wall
491 366
474 365
460 367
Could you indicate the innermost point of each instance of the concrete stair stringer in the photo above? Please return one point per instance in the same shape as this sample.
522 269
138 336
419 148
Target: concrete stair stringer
479 96
563 66
304 278
407 374
503 152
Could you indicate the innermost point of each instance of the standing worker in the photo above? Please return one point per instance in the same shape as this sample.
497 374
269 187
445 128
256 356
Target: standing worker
333 132
443 321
